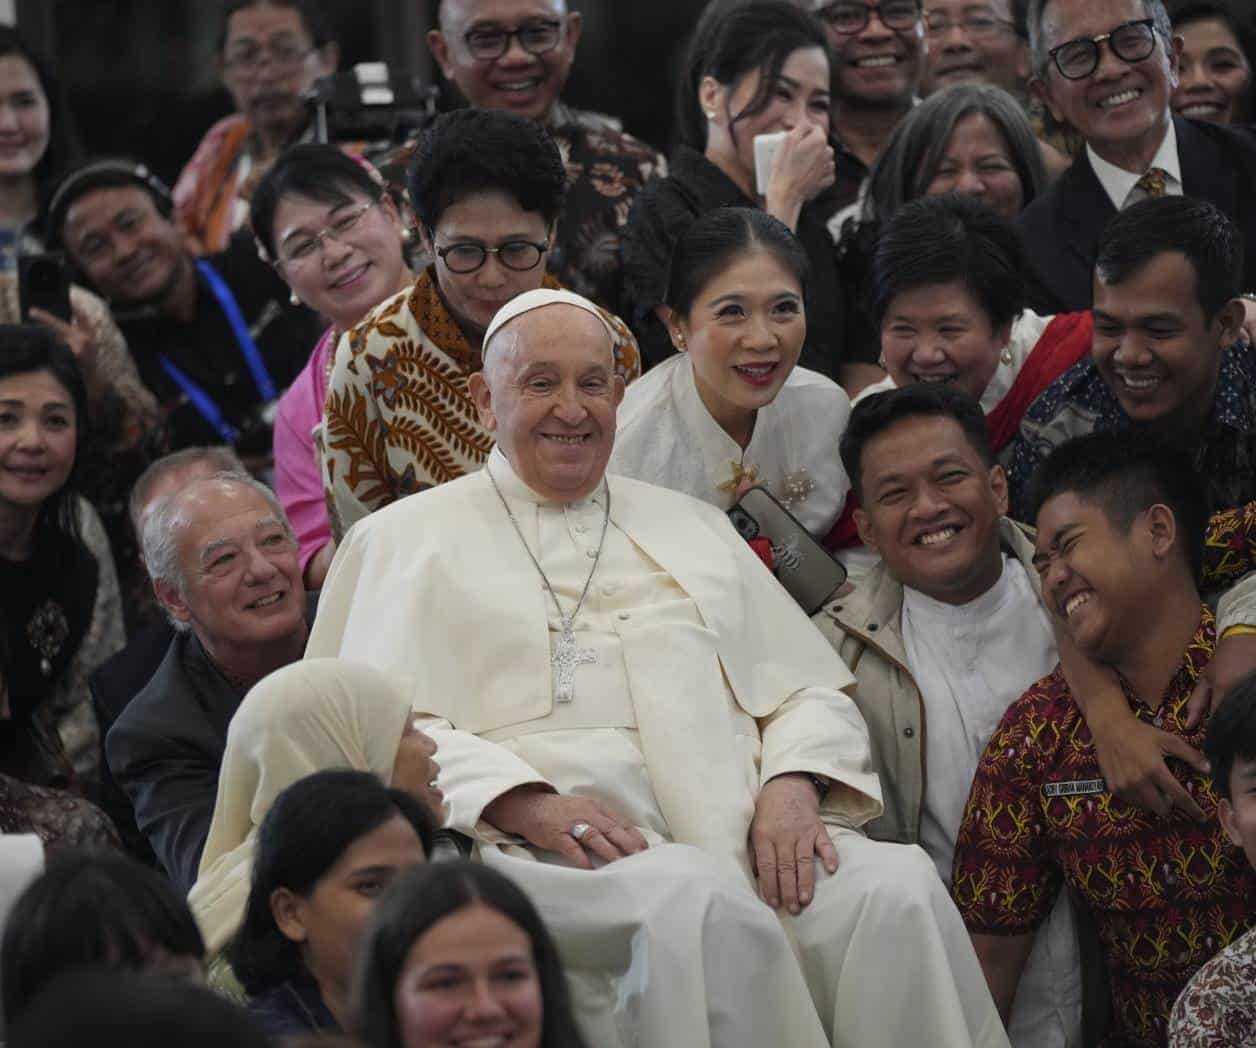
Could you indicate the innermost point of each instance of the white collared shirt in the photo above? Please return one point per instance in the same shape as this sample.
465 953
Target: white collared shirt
1120 184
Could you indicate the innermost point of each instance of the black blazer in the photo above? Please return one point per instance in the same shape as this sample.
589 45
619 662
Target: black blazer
1061 228
113 685
165 751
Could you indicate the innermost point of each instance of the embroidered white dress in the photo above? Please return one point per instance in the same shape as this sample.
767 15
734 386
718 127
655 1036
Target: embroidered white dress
666 436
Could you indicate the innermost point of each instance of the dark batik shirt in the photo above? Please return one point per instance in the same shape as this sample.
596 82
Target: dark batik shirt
1080 402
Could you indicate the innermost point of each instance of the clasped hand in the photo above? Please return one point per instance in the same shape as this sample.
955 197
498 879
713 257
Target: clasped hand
545 819
785 838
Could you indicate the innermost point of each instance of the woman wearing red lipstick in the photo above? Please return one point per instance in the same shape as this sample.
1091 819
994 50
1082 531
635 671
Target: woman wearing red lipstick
732 409
335 236
60 613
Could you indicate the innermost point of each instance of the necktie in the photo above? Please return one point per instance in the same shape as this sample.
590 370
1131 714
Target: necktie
1153 182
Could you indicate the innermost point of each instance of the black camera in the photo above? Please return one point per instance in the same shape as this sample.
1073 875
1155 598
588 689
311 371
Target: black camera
371 104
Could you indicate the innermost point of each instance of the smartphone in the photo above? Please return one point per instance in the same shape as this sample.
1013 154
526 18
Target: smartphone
44 283
803 566
765 149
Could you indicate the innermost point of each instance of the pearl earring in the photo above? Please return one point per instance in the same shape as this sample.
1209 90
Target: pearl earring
710 114
881 362
292 297
679 339
406 235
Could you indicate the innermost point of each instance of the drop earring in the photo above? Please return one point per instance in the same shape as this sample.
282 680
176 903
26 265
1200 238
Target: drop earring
292 297
1006 356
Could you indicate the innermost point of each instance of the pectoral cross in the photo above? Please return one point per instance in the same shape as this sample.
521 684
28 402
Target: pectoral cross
566 657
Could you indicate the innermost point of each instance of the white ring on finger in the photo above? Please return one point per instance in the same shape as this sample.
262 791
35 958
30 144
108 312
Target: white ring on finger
579 830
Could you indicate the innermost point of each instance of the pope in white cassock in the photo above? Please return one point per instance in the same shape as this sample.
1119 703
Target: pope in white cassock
637 724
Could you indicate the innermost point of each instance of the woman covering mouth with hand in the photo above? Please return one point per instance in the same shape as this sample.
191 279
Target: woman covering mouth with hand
732 409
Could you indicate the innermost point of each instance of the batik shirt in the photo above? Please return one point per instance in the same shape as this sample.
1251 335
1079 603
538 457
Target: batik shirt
606 168
1166 893
1218 1008
1080 402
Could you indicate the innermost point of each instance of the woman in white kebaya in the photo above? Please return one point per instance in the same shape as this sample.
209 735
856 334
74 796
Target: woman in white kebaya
732 409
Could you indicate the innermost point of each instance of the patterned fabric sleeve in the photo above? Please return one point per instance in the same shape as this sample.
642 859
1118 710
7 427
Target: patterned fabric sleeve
1218 1007
128 412
73 716
357 477
1005 879
1229 547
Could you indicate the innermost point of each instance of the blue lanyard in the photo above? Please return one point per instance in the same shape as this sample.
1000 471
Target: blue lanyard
199 398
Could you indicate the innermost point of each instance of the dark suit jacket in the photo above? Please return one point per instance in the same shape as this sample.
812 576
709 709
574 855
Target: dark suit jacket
113 685
1061 228
165 751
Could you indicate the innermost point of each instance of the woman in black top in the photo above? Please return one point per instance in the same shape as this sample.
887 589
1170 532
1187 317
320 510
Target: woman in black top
758 69
328 848
58 591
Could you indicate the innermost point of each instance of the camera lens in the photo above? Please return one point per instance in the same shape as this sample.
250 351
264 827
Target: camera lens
745 524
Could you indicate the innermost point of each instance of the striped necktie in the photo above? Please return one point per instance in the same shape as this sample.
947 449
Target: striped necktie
1153 183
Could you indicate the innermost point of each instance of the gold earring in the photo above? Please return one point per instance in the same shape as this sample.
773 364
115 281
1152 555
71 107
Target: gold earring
679 339
1006 356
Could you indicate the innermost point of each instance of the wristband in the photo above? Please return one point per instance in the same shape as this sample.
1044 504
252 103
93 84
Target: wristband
1239 630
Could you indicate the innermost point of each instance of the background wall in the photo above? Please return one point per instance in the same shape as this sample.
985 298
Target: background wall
140 74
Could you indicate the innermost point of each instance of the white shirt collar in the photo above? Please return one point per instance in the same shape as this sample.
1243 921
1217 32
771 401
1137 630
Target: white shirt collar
923 608
513 487
1119 183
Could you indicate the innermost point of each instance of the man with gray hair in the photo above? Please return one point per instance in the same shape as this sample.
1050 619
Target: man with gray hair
224 566
1107 68
638 725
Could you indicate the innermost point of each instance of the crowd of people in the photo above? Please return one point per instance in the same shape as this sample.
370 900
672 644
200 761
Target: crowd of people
409 624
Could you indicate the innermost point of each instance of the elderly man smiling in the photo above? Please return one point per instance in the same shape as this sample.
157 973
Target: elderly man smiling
1108 67
516 55
224 567
618 685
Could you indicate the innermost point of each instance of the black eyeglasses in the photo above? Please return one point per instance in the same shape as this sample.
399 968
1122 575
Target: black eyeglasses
537 38
977 24
519 255
848 18
1130 42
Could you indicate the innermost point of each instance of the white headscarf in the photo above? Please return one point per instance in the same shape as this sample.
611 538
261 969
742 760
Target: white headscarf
539 299
307 717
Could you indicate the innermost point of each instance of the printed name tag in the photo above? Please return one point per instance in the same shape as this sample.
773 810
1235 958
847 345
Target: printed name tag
1074 788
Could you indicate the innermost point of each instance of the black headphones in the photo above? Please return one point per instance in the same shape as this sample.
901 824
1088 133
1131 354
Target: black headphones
112 171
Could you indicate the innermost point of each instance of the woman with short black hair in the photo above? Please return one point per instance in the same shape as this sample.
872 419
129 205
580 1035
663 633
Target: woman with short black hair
328 849
487 187
445 937
327 224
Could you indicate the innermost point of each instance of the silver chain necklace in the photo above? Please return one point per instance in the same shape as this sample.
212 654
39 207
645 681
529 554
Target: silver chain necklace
566 655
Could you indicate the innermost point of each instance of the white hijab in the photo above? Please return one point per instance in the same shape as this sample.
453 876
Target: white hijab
307 717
